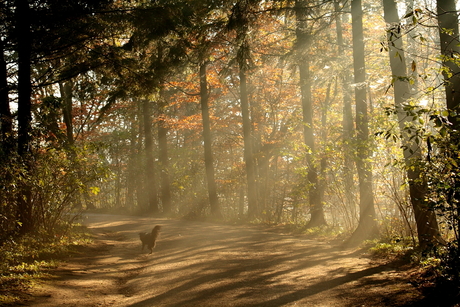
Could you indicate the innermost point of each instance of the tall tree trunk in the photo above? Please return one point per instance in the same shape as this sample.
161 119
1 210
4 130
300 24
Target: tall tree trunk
449 36
240 22
303 38
24 77
324 139
427 226
133 159
207 140
347 123
24 44
66 94
247 132
450 49
164 165
151 185
141 189
367 226
6 119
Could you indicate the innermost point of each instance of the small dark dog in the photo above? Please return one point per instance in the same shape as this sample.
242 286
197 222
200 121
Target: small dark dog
150 238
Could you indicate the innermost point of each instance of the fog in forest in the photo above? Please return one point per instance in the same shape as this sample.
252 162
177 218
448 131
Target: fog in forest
330 117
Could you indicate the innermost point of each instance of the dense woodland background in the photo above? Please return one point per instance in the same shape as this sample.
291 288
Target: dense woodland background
330 113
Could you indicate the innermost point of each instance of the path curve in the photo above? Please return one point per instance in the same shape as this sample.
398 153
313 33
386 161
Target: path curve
205 264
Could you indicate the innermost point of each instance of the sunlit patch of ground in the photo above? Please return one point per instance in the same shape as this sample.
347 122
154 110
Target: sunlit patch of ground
203 264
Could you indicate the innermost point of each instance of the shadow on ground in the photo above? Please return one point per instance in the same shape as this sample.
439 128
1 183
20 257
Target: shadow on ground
204 264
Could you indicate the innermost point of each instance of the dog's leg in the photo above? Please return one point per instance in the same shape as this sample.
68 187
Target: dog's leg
151 247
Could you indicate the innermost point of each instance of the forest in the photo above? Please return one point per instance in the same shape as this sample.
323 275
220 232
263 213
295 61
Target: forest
319 114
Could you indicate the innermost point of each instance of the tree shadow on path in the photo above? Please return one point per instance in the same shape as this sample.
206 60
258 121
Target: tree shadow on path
206 264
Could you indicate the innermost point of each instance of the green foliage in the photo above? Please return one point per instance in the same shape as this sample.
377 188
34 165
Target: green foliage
450 266
443 179
10 172
56 180
59 178
391 248
444 182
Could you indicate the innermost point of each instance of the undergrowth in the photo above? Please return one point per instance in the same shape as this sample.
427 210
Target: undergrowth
392 248
25 260
436 272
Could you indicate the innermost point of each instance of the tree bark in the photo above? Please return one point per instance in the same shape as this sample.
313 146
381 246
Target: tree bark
151 185
24 44
66 94
347 124
24 77
164 165
324 139
367 226
449 37
207 140
427 226
247 138
6 119
314 190
132 178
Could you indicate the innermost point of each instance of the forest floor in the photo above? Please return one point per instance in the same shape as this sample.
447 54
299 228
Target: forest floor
206 264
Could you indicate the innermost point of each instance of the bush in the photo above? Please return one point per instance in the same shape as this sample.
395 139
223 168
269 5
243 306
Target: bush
56 181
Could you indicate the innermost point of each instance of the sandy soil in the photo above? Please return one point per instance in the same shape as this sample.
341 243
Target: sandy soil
204 264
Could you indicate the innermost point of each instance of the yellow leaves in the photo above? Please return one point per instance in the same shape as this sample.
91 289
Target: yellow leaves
94 190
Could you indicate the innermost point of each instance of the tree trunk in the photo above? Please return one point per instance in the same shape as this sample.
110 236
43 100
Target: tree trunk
303 38
24 77
367 226
348 127
133 158
449 37
207 140
66 94
24 110
6 119
164 165
247 133
427 226
141 189
324 139
151 185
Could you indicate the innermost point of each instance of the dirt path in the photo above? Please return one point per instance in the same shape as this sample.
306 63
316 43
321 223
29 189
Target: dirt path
200 264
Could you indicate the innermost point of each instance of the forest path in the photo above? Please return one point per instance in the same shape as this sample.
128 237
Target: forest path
205 264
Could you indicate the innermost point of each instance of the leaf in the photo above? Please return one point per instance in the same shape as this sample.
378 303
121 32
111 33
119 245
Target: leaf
411 13
413 66
443 132
95 190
